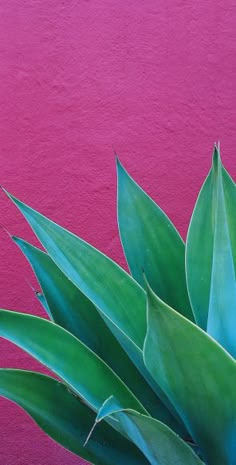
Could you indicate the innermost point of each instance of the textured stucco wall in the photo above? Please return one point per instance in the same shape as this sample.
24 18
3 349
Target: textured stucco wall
155 80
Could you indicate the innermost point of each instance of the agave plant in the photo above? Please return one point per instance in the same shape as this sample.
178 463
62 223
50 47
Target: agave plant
144 362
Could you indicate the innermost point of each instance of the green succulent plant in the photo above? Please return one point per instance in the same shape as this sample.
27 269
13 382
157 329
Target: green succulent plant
144 362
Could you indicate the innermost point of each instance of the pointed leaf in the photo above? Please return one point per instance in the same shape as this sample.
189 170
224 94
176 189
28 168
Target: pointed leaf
222 303
151 243
199 377
119 299
159 444
109 287
69 308
73 311
66 356
211 256
66 419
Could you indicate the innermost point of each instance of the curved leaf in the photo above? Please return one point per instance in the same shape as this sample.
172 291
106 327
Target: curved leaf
199 377
159 444
66 419
69 307
105 283
211 256
66 356
166 411
72 310
119 299
151 243
222 303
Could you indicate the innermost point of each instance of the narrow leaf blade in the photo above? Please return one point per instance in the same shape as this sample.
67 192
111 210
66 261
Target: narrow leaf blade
72 310
151 243
66 356
211 256
159 444
66 419
166 411
93 273
119 299
194 371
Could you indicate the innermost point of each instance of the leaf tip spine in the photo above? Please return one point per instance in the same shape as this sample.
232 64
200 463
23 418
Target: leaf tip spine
6 230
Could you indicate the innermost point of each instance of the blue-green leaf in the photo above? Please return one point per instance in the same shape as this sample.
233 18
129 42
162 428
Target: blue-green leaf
198 376
152 243
211 256
159 444
72 310
117 296
67 357
105 283
66 419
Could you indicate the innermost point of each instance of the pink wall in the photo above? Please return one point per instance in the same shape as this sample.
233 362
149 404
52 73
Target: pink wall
155 80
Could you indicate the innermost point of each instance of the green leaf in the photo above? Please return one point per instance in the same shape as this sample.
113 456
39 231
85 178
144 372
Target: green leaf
67 357
211 256
151 243
166 412
69 308
105 283
159 444
117 296
198 376
73 311
66 419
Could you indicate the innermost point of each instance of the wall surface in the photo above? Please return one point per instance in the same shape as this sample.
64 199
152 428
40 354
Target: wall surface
153 79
